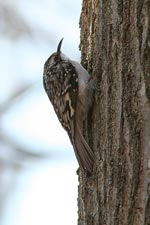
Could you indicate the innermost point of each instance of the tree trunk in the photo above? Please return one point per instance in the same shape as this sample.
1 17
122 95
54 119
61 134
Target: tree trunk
115 46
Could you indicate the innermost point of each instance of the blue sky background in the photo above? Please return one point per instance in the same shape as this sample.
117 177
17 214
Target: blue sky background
38 167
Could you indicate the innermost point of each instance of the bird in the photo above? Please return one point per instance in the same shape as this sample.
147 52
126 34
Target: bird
70 90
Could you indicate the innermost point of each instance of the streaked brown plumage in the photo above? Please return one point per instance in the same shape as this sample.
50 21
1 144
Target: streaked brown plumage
70 90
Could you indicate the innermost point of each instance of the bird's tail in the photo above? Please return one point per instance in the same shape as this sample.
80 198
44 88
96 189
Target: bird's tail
84 153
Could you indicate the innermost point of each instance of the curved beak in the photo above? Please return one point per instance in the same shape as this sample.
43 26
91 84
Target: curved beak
59 46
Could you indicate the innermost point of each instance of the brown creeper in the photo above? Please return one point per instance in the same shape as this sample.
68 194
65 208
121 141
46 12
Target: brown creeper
70 90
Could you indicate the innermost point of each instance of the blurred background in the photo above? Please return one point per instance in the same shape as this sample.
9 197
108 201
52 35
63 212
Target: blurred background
38 181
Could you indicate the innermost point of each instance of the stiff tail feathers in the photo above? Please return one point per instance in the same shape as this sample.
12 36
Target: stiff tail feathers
84 154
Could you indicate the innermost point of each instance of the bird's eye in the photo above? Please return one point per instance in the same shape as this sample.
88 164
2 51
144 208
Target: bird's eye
57 58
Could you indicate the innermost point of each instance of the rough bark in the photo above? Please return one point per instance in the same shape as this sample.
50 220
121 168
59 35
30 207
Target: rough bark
115 46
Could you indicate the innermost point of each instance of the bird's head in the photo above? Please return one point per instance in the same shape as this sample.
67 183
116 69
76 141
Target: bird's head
56 57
